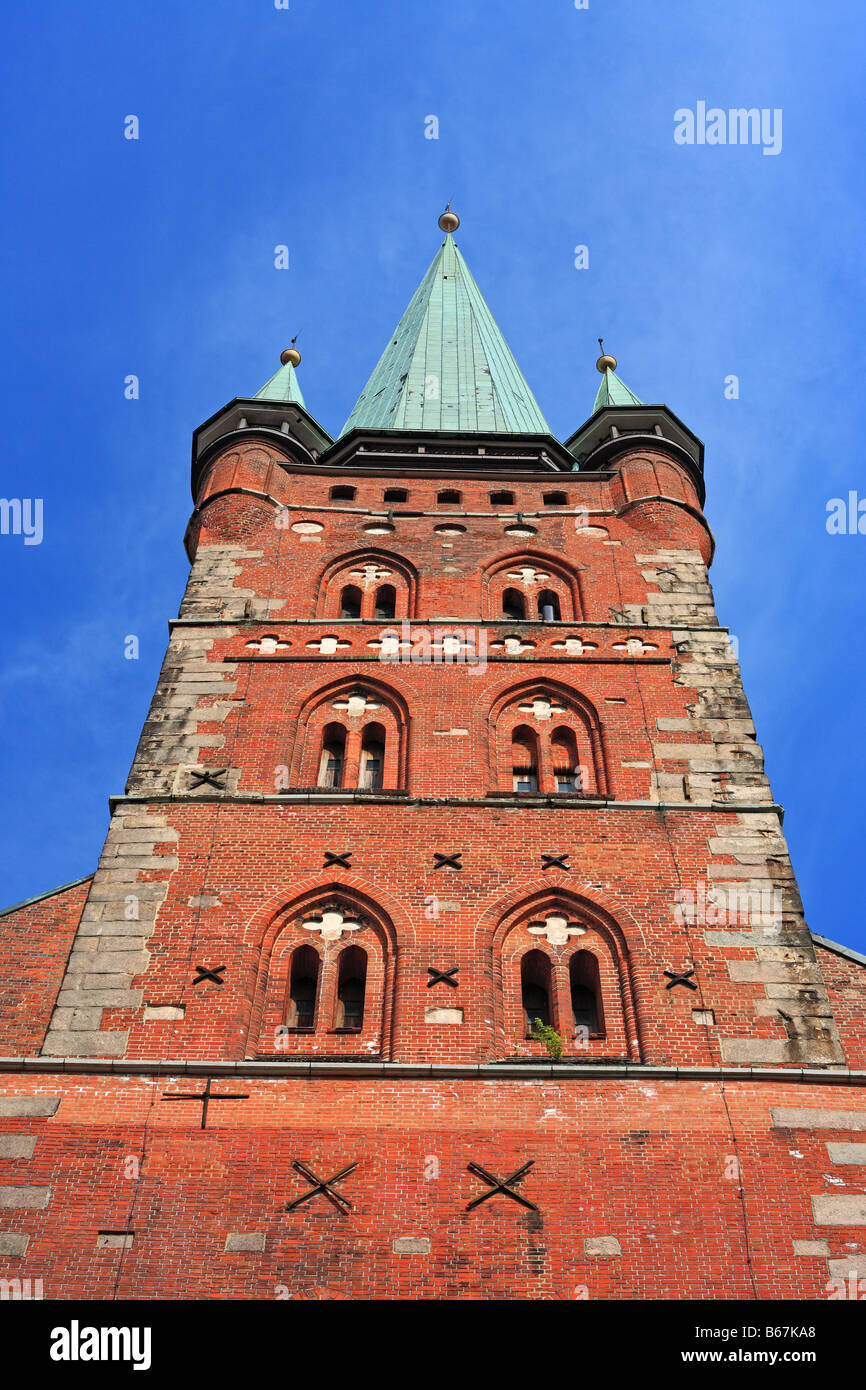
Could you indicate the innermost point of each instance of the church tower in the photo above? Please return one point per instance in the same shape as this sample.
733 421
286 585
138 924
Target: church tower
445 940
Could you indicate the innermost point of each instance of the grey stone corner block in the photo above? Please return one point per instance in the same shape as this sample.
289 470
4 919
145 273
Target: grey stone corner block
27 1107
245 1241
13 1244
17 1145
602 1246
812 1247
66 1044
20 1198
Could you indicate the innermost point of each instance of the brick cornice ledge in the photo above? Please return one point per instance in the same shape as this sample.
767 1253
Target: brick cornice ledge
423 1071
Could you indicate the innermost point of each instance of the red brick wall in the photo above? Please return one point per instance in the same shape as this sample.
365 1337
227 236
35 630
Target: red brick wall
702 1194
34 945
846 986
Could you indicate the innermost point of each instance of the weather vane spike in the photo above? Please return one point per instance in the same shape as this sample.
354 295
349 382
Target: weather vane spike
291 354
605 363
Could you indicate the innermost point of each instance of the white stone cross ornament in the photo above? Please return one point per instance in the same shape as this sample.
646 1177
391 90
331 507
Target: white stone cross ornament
513 646
556 929
635 646
331 923
356 704
575 646
542 708
388 646
267 645
528 574
370 574
328 645
449 645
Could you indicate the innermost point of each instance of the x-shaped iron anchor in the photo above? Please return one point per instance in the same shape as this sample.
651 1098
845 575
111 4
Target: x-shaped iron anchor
505 1185
212 972
321 1185
337 860
448 861
554 861
214 778
680 977
443 975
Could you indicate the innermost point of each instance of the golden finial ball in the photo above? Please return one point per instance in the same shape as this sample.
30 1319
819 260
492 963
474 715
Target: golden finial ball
290 355
449 221
606 363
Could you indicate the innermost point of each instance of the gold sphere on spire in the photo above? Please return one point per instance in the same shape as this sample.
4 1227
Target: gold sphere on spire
449 221
605 363
292 355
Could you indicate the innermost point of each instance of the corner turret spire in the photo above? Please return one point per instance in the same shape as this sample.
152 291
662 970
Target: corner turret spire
612 391
447 366
283 385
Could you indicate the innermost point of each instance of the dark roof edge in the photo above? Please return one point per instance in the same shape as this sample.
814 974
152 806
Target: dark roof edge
838 950
50 893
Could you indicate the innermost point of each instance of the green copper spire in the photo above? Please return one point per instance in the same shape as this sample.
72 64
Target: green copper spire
283 385
447 366
612 391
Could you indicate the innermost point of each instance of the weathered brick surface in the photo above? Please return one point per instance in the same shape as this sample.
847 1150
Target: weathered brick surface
681 1177
677 880
35 942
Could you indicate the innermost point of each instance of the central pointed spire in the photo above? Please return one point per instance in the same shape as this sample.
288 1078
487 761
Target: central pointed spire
447 366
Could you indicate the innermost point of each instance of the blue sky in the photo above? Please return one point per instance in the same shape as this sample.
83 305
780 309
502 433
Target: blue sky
306 127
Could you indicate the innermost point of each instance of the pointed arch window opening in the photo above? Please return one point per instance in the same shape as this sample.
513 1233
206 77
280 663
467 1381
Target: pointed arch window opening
513 605
586 997
524 760
303 990
372 769
351 989
549 610
536 991
567 772
351 599
386 602
333 756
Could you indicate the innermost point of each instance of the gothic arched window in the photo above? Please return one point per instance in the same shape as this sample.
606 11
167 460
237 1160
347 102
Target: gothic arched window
524 759
553 733
585 987
566 769
350 601
386 601
303 988
513 605
351 986
548 606
535 990
333 756
372 758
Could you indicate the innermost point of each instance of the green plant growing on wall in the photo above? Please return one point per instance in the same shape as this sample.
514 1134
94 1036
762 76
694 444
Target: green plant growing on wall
542 1032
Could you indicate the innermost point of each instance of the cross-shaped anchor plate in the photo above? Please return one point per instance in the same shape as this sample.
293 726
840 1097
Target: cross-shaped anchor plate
322 1185
505 1185
444 975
